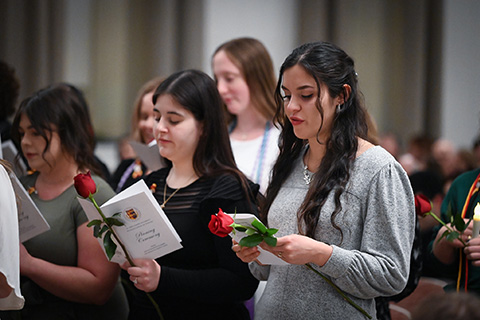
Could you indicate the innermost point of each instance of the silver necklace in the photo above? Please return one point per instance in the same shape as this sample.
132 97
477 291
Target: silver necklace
306 175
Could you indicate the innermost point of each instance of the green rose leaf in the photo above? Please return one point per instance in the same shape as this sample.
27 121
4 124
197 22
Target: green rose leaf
114 222
251 241
94 223
109 245
271 231
102 231
271 241
459 223
96 230
257 224
452 236
249 232
240 228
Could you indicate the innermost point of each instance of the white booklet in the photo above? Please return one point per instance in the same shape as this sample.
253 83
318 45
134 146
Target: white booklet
265 257
146 233
9 152
31 222
149 155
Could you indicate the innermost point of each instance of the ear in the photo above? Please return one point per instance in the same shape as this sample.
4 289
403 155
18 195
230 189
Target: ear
345 94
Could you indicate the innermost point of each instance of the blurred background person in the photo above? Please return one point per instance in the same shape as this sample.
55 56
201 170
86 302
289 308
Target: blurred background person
131 168
450 306
417 155
246 82
389 141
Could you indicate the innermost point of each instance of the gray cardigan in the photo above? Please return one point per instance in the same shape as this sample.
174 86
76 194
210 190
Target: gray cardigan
378 223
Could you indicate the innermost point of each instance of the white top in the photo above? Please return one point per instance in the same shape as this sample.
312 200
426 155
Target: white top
253 160
9 243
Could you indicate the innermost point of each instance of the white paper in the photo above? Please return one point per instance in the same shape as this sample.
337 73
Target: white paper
149 155
147 233
265 257
31 222
9 153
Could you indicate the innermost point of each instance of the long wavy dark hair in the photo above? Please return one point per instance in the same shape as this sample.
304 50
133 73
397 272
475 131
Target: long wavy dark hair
330 65
63 107
197 93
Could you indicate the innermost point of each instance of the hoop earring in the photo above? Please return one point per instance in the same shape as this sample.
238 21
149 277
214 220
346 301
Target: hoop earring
339 108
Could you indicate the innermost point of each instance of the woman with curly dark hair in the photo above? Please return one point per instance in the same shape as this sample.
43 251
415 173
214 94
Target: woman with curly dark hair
340 203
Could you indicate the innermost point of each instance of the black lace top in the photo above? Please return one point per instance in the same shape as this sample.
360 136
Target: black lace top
204 279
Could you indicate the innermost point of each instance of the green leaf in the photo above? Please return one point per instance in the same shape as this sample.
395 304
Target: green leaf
257 224
114 222
240 228
102 231
449 213
271 231
109 245
444 234
94 223
459 223
452 236
251 241
271 241
96 230
249 232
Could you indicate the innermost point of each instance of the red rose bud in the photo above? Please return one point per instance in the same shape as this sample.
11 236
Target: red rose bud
220 224
422 205
84 184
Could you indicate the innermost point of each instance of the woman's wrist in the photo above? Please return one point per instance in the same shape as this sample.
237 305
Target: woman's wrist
324 252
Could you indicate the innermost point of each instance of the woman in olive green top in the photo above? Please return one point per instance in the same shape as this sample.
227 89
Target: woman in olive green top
65 274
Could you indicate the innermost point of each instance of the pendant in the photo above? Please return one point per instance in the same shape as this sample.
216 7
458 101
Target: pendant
306 176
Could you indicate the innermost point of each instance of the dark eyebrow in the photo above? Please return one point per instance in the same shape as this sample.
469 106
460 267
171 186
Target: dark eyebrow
170 112
300 88
175 113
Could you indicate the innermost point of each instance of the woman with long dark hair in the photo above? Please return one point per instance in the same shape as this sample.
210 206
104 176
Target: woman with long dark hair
340 203
204 279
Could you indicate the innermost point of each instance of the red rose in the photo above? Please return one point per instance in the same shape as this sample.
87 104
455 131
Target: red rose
220 224
422 205
84 184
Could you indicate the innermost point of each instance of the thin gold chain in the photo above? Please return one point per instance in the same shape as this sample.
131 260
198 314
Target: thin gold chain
165 194
173 193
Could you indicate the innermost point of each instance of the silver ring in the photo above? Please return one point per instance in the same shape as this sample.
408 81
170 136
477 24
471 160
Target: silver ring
135 281
279 254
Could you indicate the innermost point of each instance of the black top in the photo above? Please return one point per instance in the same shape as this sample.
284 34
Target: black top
204 279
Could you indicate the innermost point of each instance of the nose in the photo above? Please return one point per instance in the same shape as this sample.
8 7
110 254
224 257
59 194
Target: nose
24 140
221 86
159 127
291 106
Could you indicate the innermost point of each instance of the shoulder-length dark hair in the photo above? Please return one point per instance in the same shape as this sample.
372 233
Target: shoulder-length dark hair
61 107
197 93
330 65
